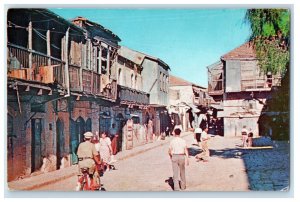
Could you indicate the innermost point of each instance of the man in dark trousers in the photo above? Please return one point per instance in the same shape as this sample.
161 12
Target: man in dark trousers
179 155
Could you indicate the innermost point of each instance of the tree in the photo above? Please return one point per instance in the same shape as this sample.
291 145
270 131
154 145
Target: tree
271 36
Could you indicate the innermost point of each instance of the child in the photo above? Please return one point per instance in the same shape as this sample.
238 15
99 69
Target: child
204 144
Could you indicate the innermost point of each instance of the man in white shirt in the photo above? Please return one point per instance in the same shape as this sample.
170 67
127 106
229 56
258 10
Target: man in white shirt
179 155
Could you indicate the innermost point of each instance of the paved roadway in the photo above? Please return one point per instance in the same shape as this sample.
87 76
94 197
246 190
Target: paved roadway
150 171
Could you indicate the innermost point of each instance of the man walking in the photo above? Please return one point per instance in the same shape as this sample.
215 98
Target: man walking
179 155
204 145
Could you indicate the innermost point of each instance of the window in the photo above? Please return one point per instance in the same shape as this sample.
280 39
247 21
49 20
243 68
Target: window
160 79
132 81
120 80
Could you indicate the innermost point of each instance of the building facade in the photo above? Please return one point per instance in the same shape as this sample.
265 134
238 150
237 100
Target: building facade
242 89
58 85
184 99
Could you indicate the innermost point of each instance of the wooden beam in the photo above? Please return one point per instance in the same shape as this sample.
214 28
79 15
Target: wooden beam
48 47
99 60
66 58
82 65
50 92
30 46
27 88
108 61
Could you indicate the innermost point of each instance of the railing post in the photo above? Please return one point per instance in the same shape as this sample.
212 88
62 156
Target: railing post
30 47
67 61
108 61
48 47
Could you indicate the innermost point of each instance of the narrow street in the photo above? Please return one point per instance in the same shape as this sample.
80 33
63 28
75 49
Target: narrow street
150 171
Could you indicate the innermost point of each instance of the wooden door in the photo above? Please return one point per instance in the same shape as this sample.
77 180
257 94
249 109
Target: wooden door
60 142
36 144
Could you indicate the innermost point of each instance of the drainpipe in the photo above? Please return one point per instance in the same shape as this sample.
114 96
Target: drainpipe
67 64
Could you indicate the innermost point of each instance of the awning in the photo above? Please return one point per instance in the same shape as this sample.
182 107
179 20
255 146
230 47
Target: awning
217 106
194 108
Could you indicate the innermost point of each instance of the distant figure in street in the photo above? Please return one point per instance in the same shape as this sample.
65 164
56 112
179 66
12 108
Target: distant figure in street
244 136
204 144
105 150
197 135
250 136
150 130
179 155
113 133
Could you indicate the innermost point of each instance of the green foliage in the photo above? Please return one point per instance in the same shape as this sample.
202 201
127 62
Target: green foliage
271 36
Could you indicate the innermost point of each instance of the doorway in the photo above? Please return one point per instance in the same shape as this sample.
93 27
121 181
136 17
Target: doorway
60 142
36 144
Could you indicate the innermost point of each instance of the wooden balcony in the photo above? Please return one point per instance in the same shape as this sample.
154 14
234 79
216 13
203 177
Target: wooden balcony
92 83
259 83
133 96
99 84
41 71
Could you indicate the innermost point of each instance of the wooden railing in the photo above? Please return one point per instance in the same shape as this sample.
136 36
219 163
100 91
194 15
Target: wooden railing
74 74
41 71
261 83
131 95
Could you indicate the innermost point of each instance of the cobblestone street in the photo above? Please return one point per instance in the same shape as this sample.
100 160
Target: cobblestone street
230 168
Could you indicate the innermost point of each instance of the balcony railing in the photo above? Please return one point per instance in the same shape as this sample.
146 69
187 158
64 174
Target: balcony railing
262 83
131 95
92 83
41 71
74 74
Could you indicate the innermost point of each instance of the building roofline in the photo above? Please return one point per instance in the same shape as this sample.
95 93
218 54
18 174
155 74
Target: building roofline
98 25
150 57
58 17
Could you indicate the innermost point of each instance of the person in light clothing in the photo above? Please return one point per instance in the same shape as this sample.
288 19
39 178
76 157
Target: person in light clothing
204 144
244 136
197 135
179 155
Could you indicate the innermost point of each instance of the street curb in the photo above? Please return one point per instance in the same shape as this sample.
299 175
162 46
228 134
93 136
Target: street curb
54 180
50 182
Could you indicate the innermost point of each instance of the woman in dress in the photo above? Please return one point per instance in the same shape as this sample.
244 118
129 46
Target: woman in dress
105 150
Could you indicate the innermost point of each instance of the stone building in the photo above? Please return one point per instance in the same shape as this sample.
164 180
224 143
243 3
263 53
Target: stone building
241 88
59 85
184 99
144 75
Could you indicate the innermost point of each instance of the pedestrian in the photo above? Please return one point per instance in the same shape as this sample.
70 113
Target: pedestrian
105 150
179 155
250 136
87 157
204 155
197 135
244 136
150 130
113 134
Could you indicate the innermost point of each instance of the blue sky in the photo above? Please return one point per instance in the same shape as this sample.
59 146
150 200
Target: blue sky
188 40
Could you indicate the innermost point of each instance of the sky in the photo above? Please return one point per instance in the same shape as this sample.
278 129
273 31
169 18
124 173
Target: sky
188 40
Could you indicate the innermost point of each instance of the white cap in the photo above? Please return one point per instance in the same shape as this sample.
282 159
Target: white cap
88 135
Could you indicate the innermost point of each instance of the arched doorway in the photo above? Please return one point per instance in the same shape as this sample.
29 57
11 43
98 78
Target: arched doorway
80 128
60 142
88 125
